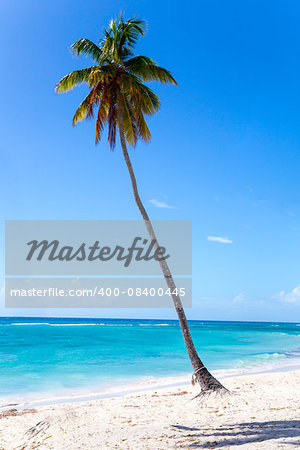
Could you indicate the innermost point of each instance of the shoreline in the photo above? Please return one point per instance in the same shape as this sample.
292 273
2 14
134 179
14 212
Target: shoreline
141 385
262 412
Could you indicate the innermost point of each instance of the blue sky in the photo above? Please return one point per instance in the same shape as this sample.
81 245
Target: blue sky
225 148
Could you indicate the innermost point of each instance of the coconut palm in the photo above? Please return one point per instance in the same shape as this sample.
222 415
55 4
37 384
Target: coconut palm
119 98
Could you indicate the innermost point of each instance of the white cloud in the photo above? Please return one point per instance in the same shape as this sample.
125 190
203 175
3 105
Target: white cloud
289 297
161 204
240 298
219 239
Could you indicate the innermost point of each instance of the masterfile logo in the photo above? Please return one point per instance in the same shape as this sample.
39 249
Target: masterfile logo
96 263
55 251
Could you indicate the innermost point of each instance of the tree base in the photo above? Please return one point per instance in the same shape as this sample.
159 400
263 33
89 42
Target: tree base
209 384
216 392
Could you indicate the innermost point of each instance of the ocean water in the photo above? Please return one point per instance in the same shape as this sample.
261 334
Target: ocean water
57 357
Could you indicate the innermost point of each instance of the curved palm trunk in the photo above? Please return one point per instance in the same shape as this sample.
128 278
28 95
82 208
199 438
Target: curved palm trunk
206 381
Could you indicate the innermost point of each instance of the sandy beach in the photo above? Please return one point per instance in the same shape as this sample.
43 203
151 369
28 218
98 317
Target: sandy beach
262 412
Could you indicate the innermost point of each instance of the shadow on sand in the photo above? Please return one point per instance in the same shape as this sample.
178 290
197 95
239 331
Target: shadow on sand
241 433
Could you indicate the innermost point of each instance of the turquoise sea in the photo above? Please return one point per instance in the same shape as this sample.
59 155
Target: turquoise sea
56 357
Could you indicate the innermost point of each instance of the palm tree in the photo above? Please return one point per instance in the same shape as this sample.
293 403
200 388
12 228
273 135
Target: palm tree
117 91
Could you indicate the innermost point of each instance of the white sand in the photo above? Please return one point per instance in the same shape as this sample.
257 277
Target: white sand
262 413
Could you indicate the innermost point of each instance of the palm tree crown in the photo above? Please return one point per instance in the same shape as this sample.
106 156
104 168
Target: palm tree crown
116 81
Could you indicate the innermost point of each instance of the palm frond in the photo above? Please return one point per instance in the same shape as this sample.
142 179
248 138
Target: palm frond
75 78
147 69
142 127
88 48
107 47
102 74
121 37
96 96
112 119
101 117
82 109
131 30
140 94
112 127
129 121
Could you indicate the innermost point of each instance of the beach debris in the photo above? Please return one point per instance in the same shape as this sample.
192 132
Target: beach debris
15 412
180 393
